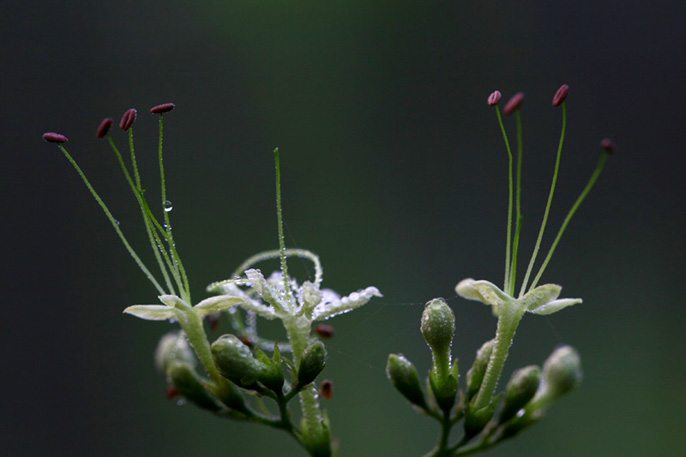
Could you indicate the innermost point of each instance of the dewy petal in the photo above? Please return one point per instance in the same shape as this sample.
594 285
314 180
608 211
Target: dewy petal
216 304
266 291
354 300
540 296
556 305
483 291
152 312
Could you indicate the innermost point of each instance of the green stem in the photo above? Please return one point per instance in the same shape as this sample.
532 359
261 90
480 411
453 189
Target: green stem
508 244
515 247
509 315
572 211
113 221
139 198
549 203
279 216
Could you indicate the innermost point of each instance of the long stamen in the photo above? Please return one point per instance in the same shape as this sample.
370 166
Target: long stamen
550 201
518 228
279 215
112 220
608 148
493 100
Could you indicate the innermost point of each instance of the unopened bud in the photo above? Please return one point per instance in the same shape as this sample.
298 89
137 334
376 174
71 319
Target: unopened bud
438 328
404 377
475 375
312 363
272 376
189 385
235 361
520 390
494 98
514 103
562 371
173 347
560 95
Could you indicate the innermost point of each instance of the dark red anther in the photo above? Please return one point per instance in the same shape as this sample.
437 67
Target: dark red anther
494 98
213 321
247 341
607 145
324 331
514 103
327 388
560 95
164 108
172 393
104 128
128 119
51 137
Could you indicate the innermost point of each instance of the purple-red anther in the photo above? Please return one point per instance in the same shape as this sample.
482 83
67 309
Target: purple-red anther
51 137
128 119
607 145
172 393
494 98
324 331
327 388
164 108
514 103
560 95
104 128
213 321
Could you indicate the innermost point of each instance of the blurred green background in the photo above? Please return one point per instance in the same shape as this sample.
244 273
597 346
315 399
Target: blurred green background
393 172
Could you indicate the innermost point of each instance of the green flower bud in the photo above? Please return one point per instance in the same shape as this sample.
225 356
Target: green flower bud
272 376
403 375
562 371
173 346
187 382
235 361
475 375
520 390
312 363
438 328
476 421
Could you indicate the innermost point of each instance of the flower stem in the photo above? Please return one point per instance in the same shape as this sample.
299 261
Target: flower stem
508 244
549 203
279 216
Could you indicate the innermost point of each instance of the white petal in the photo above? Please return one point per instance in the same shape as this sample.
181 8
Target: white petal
266 291
540 296
216 304
152 312
174 302
326 310
556 305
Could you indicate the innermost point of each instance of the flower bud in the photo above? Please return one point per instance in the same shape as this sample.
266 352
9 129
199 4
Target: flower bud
173 347
476 421
520 390
403 375
188 384
562 371
312 363
272 376
475 375
438 328
235 361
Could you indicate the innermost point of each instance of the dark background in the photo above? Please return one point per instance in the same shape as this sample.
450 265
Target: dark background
393 172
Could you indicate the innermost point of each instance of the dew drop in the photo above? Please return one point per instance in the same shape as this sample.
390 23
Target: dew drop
117 222
168 206
180 402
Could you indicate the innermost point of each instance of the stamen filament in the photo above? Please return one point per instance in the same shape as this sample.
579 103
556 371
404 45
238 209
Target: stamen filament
112 220
572 211
522 291
279 215
155 247
518 228
510 200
